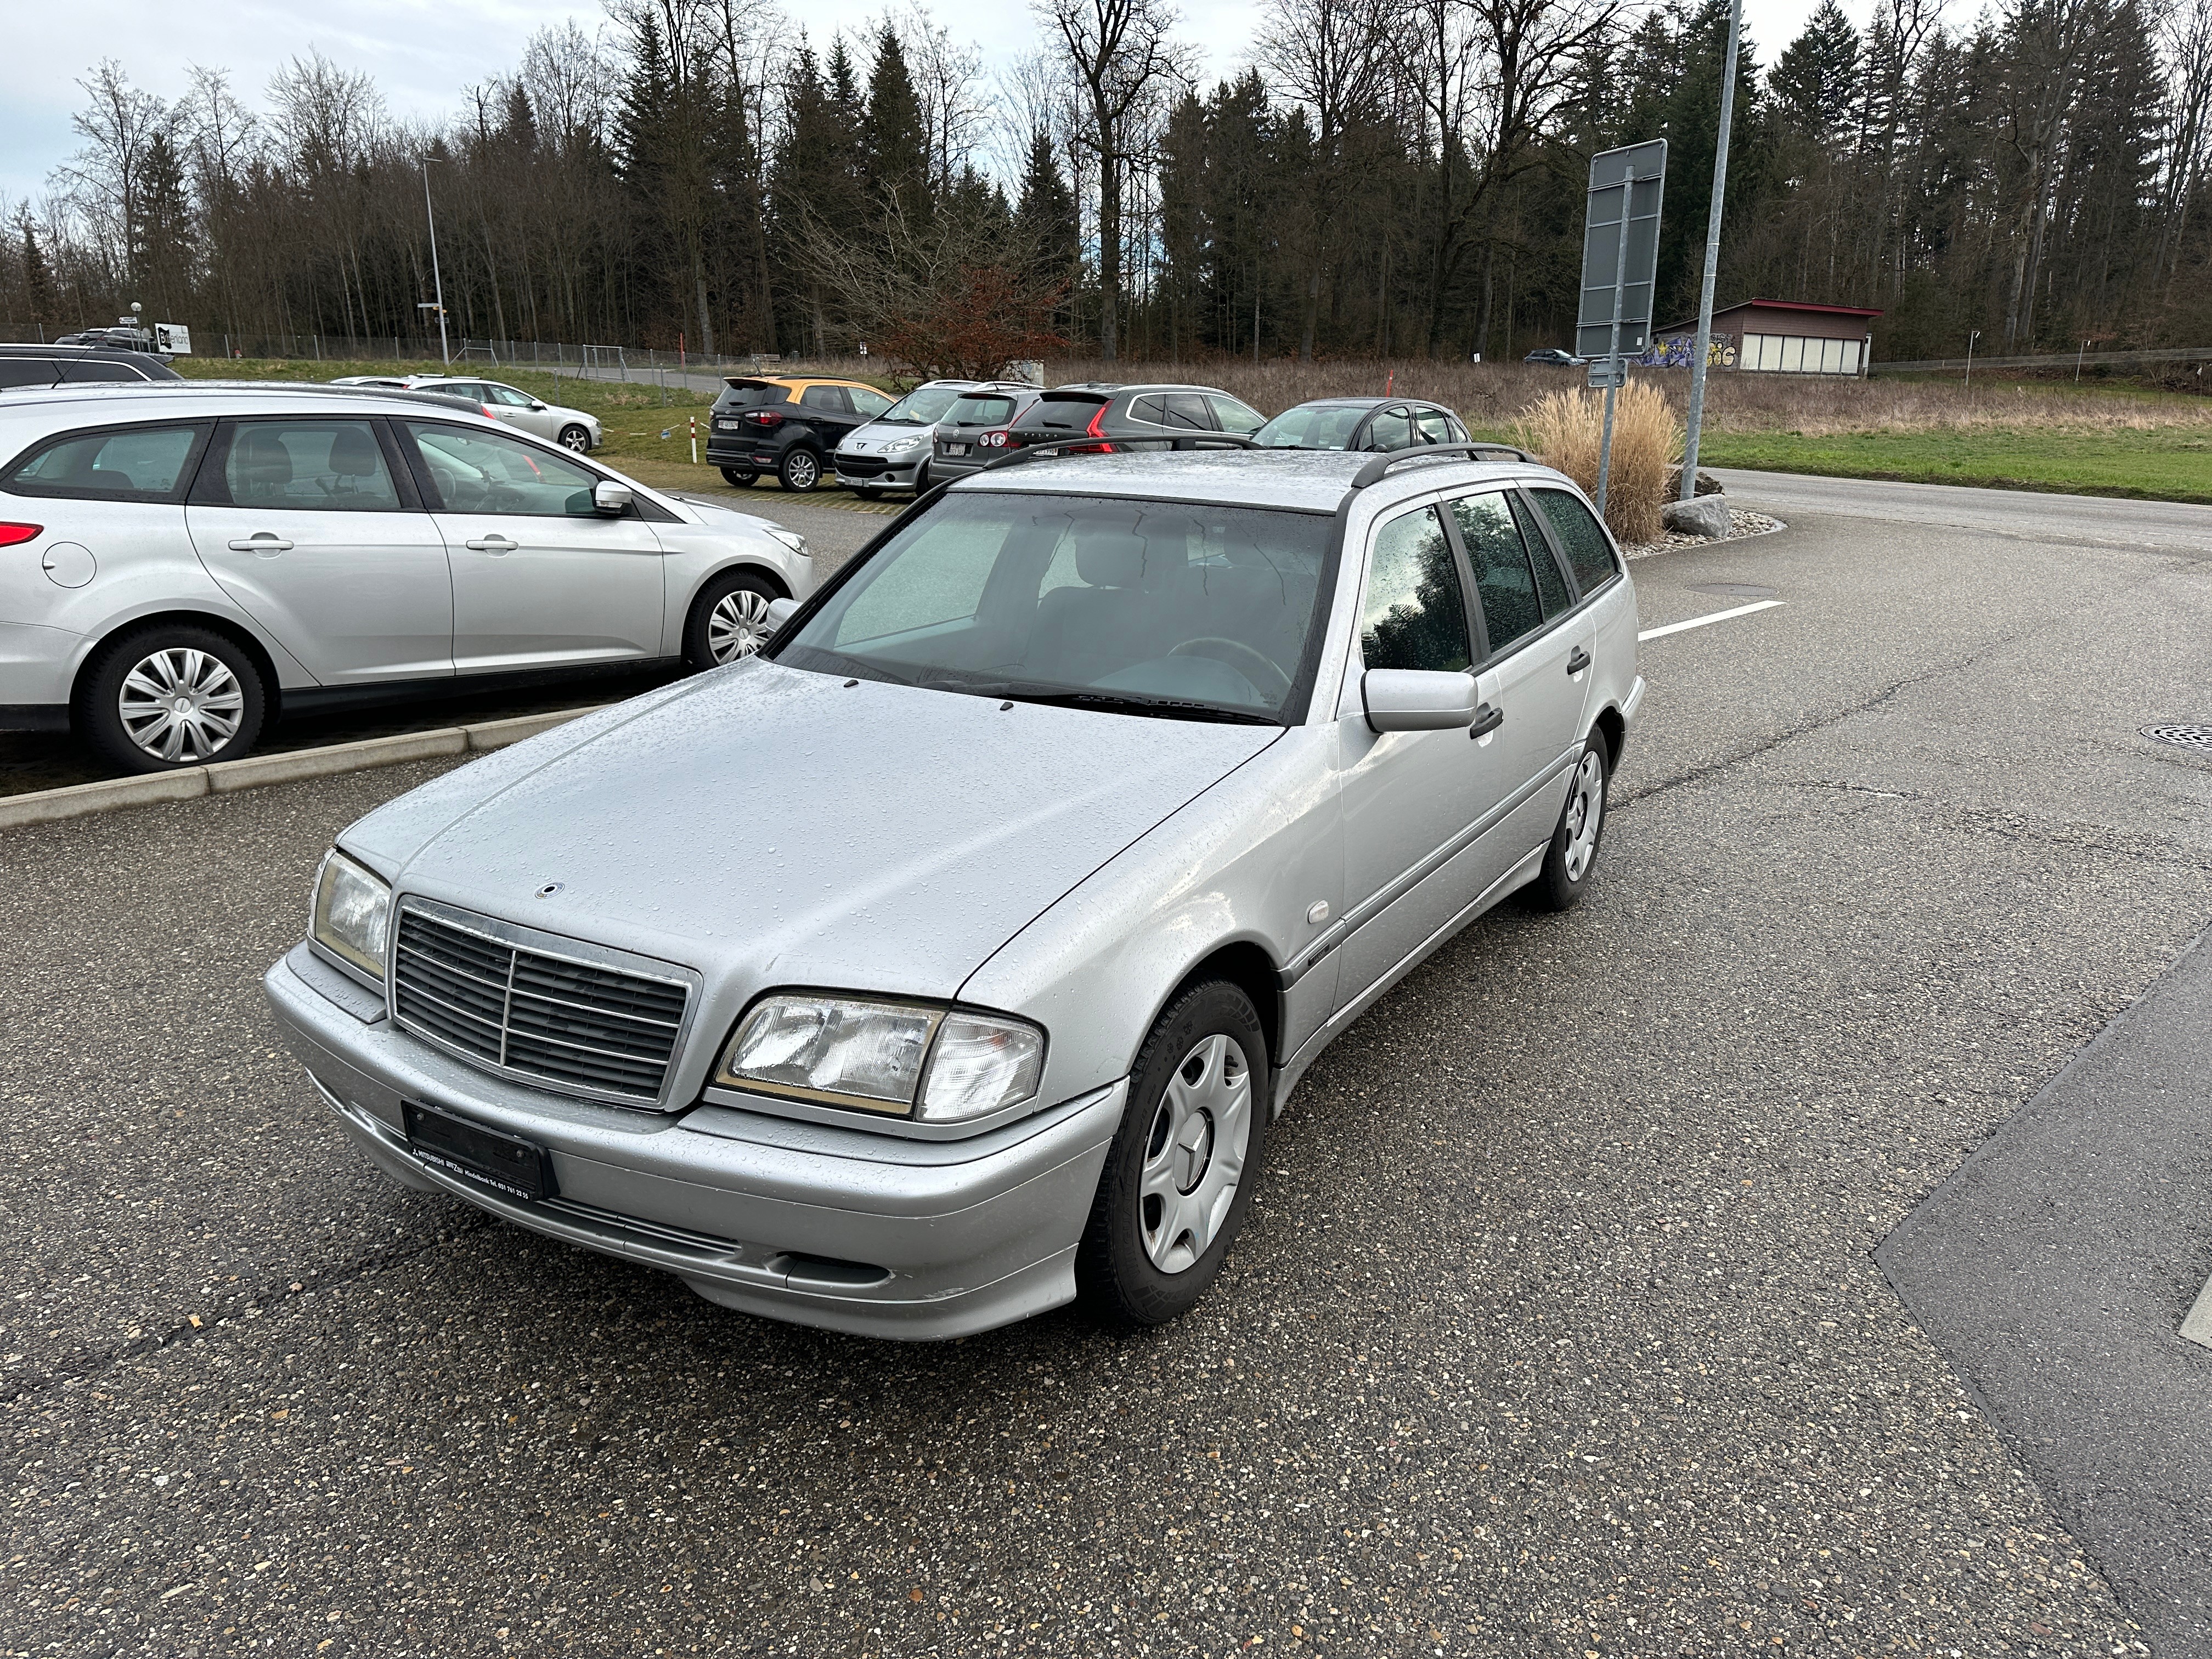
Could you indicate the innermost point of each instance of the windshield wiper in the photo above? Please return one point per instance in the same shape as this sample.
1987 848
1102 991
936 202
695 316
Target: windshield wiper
1111 702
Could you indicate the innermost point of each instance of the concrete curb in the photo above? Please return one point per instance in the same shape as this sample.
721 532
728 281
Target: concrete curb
257 771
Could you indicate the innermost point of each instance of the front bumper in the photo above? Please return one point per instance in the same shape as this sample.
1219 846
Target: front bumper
873 472
815 1223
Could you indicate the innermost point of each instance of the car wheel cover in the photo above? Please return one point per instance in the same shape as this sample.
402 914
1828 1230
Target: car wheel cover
1585 816
181 705
1195 1154
802 470
738 625
576 438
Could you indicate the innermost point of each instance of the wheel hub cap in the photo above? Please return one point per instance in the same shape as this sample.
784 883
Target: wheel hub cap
1195 1155
1585 816
181 705
737 626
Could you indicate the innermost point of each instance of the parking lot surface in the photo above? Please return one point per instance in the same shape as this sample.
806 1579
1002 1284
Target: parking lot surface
1556 1328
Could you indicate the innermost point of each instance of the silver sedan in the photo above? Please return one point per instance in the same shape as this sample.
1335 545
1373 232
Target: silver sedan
572 428
948 960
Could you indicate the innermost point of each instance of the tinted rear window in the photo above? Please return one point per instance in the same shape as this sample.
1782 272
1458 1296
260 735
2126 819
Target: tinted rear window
982 411
94 369
28 371
1067 410
144 462
1580 537
752 396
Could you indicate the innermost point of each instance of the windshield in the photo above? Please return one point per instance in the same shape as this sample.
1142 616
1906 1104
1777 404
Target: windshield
1310 429
1130 607
923 406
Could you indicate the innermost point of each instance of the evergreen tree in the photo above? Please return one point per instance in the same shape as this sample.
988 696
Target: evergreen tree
1814 82
1045 220
38 276
894 148
161 243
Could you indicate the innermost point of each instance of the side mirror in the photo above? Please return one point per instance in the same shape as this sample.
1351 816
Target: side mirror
1417 700
612 498
536 407
780 611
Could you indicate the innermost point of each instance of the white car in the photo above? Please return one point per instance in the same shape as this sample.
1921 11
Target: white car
571 428
180 564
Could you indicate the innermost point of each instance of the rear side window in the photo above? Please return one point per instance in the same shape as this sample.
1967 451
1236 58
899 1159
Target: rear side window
1551 585
1390 430
1414 614
1437 428
28 371
135 464
1187 412
830 398
1503 575
1580 536
309 466
91 368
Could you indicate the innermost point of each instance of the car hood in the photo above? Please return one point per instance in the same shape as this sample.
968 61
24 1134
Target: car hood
771 826
871 438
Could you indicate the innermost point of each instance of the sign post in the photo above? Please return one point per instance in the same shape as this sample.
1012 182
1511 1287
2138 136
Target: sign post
1620 263
1695 425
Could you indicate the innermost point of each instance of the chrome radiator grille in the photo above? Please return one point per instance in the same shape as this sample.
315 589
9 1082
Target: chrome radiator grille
575 1025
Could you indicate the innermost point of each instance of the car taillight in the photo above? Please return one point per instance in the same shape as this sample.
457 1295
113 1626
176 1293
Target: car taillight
490 412
993 440
764 418
1096 422
12 534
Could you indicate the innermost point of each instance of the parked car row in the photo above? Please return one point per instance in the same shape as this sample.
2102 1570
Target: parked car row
575 429
805 430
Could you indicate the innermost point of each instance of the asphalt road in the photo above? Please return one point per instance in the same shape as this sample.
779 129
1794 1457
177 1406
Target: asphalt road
1556 1329
834 526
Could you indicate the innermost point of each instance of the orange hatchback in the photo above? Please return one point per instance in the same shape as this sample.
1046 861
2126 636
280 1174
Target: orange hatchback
785 424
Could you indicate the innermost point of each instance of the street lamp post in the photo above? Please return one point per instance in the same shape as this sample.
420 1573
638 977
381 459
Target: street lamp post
1972 337
1694 426
437 282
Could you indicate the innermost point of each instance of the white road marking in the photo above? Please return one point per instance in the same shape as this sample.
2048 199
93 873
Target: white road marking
1699 622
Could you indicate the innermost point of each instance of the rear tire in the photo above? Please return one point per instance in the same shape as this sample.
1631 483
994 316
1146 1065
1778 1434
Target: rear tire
737 480
1179 1177
728 620
171 696
801 471
1571 858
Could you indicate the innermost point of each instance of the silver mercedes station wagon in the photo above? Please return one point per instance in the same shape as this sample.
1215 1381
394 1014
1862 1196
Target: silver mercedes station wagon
948 960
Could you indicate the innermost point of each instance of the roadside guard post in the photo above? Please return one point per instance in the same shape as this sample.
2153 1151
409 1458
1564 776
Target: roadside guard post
695 440
1620 260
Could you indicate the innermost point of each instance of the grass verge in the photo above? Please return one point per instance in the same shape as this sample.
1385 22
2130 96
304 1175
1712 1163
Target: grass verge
2170 464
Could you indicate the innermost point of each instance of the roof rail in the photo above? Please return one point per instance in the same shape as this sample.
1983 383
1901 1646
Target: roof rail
1059 447
1374 471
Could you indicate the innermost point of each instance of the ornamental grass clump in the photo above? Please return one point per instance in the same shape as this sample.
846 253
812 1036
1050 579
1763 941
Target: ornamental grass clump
1565 428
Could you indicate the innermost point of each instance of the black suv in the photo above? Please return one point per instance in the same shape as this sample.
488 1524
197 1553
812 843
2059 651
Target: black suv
787 424
1126 416
74 365
1384 423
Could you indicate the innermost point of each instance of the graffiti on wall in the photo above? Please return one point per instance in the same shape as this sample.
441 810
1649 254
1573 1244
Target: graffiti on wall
1679 350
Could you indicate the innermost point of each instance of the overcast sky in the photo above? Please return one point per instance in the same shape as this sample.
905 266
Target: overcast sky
423 53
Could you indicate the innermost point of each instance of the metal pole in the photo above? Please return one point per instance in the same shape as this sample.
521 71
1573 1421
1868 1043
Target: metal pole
1697 417
438 282
1613 371
1971 338
2077 362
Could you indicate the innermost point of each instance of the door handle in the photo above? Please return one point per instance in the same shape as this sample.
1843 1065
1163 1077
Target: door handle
491 544
1578 660
1488 719
261 541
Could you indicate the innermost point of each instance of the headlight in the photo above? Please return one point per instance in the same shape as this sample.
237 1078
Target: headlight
790 538
935 1065
904 446
353 913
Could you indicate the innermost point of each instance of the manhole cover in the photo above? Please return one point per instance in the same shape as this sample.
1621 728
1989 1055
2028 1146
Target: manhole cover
1736 590
2181 736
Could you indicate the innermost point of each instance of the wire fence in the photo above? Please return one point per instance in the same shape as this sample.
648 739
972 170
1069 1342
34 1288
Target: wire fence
2075 360
555 356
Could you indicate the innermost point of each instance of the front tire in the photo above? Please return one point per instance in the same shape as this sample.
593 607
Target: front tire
169 698
801 471
1573 855
737 480
728 620
1178 1179
576 438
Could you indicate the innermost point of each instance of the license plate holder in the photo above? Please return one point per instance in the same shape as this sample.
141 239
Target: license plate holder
459 1145
955 449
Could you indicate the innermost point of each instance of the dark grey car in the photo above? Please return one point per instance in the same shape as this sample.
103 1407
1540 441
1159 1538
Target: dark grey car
75 365
979 429
1132 417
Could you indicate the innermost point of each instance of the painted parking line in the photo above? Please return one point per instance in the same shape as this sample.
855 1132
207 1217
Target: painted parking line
1699 622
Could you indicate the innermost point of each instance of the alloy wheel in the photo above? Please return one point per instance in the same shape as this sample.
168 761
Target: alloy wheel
575 438
738 625
180 704
1585 816
802 471
1195 1154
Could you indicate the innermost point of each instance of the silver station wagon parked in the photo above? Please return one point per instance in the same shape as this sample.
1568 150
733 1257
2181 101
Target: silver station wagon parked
180 563
947 961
